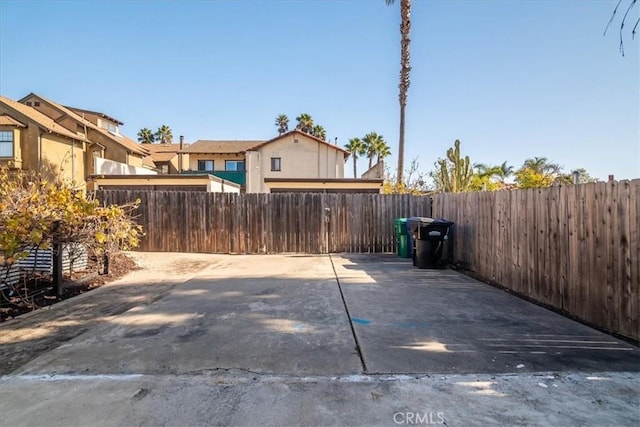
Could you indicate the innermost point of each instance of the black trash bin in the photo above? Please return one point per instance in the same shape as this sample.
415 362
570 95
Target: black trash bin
429 239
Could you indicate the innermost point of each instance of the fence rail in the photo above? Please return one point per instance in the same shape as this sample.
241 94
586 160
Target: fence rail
268 223
576 248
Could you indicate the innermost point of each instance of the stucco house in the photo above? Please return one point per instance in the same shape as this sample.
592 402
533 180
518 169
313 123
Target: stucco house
114 153
293 161
168 158
30 140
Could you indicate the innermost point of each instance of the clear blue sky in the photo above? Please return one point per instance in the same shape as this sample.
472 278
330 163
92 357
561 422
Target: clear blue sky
510 79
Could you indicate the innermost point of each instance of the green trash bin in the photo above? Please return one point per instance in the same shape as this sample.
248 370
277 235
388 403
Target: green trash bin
402 237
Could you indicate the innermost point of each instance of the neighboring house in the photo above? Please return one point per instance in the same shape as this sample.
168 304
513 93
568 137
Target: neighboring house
121 155
30 140
293 161
168 158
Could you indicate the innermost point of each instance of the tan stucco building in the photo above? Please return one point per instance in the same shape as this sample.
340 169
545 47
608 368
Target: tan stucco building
293 161
64 142
30 140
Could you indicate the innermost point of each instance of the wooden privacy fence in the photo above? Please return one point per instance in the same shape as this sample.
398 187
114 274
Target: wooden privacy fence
182 221
575 248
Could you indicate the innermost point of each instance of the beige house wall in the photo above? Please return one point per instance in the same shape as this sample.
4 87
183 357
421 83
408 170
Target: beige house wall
57 153
16 160
191 160
300 157
47 153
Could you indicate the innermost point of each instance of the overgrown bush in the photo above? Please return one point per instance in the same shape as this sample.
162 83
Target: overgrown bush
34 212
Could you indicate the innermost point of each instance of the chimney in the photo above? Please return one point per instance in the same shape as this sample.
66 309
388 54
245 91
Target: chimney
611 178
180 154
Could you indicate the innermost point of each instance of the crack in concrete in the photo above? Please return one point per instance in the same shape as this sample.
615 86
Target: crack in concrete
346 309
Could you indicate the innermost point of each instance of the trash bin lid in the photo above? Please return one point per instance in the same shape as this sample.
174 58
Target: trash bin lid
421 219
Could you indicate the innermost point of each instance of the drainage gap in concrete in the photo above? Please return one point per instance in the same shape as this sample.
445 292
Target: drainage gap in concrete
346 309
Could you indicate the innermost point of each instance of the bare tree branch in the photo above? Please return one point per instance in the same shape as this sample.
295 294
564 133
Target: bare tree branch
624 20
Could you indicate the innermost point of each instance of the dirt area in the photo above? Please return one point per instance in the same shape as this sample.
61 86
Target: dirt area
130 283
38 290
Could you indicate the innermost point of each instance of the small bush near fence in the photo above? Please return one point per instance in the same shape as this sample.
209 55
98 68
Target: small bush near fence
37 216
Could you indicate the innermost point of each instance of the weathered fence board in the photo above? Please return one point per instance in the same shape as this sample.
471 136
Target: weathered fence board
268 223
575 248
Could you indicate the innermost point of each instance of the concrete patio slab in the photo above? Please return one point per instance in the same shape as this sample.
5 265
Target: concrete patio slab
410 320
268 314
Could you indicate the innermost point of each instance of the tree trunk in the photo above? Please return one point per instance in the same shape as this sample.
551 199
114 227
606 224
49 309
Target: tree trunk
355 173
401 146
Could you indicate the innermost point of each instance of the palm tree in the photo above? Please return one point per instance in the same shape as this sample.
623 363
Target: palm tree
164 135
374 144
383 151
319 132
505 171
542 165
305 123
405 69
145 136
356 148
282 122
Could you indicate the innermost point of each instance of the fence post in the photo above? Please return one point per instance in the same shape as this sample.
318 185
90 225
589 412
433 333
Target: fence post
56 253
105 253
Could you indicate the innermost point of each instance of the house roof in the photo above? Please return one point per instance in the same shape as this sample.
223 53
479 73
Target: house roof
229 147
163 152
221 147
162 156
164 148
7 120
42 120
97 113
148 162
297 131
118 139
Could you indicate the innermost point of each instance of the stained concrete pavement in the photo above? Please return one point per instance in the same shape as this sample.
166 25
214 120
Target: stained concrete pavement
285 340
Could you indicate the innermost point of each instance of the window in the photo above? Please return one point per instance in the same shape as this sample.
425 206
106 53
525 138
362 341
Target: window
6 143
28 103
205 165
108 126
36 103
164 169
234 165
275 164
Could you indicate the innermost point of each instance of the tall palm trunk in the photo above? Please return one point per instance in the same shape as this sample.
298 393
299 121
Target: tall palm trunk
405 69
355 169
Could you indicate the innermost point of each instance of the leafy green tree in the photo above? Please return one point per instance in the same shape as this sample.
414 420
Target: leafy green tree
583 177
282 123
145 136
486 178
453 174
527 177
542 165
305 123
164 135
319 132
537 172
356 148
374 144
405 69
